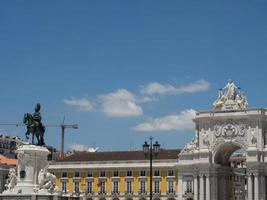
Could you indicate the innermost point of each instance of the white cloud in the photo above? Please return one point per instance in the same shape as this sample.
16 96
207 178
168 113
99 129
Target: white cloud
81 147
198 86
84 104
182 121
78 147
158 88
120 103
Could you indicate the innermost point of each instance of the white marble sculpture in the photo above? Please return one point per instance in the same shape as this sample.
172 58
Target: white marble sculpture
46 181
191 146
230 98
12 179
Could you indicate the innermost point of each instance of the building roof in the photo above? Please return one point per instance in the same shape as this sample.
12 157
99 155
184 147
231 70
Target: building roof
164 154
8 161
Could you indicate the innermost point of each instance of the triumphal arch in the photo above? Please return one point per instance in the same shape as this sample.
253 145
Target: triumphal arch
204 170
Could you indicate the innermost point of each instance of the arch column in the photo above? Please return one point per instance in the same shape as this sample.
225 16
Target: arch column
256 186
262 195
180 187
250 187
195 187
207 187
214 187
201 187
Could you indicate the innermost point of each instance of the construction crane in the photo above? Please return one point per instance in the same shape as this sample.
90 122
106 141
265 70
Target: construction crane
63 126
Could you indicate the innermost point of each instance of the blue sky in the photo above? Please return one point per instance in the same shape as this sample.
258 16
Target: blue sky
125 70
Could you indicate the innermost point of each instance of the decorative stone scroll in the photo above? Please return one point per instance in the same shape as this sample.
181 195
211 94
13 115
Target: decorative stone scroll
229 130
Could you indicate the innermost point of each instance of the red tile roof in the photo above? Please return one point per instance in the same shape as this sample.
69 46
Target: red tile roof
8 161
164 154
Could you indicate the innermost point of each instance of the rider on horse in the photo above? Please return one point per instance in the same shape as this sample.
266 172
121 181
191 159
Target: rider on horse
37 116
35 126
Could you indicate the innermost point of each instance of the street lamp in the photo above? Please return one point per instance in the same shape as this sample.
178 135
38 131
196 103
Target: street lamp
151 150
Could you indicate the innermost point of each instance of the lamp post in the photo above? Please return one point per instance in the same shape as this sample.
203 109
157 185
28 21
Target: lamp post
151 150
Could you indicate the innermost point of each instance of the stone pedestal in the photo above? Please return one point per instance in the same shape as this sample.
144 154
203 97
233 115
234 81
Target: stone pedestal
31 159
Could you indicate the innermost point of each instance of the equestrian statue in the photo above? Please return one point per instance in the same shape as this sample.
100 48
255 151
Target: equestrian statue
35 126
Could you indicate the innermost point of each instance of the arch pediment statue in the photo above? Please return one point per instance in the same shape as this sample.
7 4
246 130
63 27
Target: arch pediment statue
230 97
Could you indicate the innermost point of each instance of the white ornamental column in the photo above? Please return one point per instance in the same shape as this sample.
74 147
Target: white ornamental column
208 187
250 189
201 187
195 187
256 186
180 187
262 197
214 187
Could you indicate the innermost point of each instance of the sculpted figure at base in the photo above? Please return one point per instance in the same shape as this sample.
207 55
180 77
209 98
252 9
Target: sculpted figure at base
35 126
47 181
191 146
12 179
230 90
230 98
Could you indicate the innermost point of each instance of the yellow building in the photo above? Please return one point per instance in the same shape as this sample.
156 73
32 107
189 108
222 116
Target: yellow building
117 175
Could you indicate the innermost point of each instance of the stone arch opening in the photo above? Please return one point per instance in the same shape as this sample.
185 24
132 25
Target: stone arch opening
224 152
231 157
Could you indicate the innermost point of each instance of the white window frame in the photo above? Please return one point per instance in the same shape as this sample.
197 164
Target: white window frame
102 188
74 187
115 188
64 183
87 189
140 186
158 188
155 173
169 186
127 186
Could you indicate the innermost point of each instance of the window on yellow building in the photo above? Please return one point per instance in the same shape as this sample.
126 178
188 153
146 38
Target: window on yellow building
170 172
156 187
77 174
115 187
129 185
170 186
156 173
64 186
102 174
115 173
102 187
90 187
143 173
129 173
76 187
142 187
89 174
64 175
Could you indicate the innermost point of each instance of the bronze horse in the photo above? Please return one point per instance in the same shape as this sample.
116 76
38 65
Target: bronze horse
34 129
